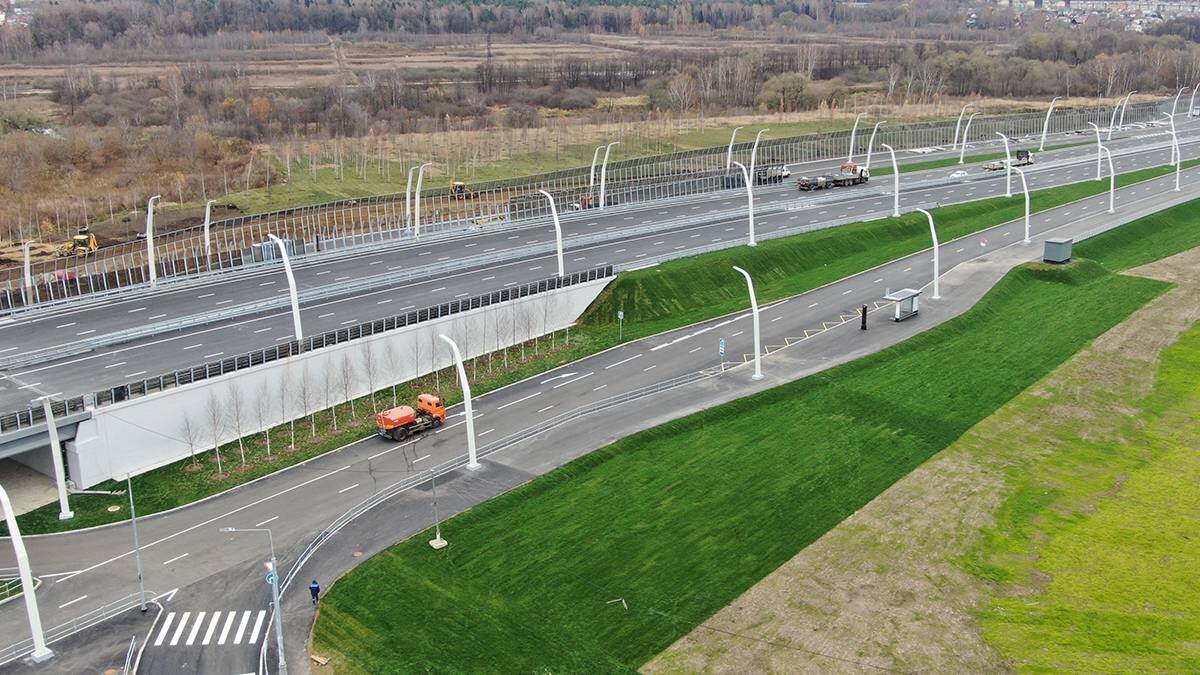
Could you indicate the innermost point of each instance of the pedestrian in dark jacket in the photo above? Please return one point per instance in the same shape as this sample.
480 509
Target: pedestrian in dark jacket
315 590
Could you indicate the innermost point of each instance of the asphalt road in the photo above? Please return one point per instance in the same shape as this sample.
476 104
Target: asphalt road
163 353
221 572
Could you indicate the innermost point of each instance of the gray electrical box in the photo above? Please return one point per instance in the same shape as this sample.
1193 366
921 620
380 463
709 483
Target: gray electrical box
1058 250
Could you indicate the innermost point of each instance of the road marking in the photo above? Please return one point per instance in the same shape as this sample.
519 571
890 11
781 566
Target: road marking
693 351
776 319
848 292
237 639
195 628
544 409
445 257
649 367
600 387
179 630
488 250
212 625
907 269
223 302
178 557
230 616
384 302
29 386
581 377
139 309
440 288
268 520
341 278
162 633
637 356
813 305
213 355
156 316
958 251
66 325
487 432
86 332
205 295
68 604
198 344
133 375
318 274
461 295
487 278
10 349
737 333
114 365
536 393
326 315
347 489
877 280
270 283
465 246
421 458
257 626
395 267
263 330
428 252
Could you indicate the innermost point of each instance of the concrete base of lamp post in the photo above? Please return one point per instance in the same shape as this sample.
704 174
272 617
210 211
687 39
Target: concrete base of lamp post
756 376
41 658
66 515
474 467
438 544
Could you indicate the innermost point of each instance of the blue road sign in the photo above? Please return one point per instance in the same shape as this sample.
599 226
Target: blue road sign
722 349
270 577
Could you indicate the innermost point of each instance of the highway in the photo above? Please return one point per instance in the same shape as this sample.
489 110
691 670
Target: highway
218 572
680 226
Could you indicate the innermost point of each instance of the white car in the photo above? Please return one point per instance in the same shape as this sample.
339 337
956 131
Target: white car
959 174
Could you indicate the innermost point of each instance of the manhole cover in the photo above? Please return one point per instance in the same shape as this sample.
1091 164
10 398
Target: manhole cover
114 508
357 554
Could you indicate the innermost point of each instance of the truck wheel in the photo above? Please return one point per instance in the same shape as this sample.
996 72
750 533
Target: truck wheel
437 422
399 433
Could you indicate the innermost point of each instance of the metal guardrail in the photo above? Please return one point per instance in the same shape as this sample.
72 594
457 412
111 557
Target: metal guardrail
82 622
34 414
642 179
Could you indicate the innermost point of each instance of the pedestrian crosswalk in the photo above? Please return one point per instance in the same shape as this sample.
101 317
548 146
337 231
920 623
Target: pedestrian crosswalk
211 628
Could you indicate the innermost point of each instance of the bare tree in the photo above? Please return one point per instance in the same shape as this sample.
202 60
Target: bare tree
237 415
370 366
327 387
216 419
305 397
346 382
262 408
191 436
285 386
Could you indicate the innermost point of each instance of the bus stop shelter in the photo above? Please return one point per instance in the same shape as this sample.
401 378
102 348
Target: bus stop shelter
907 303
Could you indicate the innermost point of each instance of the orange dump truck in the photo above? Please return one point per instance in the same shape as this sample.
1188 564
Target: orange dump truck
403 421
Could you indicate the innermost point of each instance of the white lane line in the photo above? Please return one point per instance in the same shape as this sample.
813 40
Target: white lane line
162 633
544 409
693 351
133 375
421 459
178 557
347 489
469 245
439 288
487 278
68 604
487 432
196 625
29 386
114 365
10 349
230 616
958 250
737 333
341 278
776 319
877 280
223 302
461 295
156 316
813 305
237 639
848 292
526 398
318 274
213 355
379 262
577 259
907 269
268 520
179 629
139 309
66 325
86 332
600 387
649 368
395 267
581 377
347 322
537 267
262 613
267 283
212 626
198 344
384 302
636 356
205 295
263 330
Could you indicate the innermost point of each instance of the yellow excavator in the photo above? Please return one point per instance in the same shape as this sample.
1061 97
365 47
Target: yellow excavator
82 243
459 190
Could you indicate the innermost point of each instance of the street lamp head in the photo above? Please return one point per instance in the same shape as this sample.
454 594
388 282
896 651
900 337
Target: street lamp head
228 529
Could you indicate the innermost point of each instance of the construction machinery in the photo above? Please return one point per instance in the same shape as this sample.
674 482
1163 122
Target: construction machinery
1021 158
850 174
82 243
459 190
403 421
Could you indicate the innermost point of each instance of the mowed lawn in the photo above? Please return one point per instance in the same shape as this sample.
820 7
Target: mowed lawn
599 565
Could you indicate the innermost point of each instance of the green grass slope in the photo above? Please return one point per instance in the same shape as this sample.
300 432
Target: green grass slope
679 520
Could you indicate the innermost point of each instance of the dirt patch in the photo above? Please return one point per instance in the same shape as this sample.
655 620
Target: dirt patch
887 588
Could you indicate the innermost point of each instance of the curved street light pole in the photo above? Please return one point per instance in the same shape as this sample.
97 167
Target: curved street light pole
871 143
1124 105
557 230
275 573
853 130
963 152
1112 182
749 201
27 274
895 181
754 313
1176 155
958 125
1008 167
417 199
754 150
1176 101
604 171
287 271
408 211
1046 124
592 173
207 237
933 233
1192 103
40 651
1025 189
1112 121
1099 149
472 462
151 262
729 152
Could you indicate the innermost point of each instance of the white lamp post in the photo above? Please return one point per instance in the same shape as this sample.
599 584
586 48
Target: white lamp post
754 313
1176 155
895 181
1124 105
1176 101
408 212
150 240
1025 188
871 143
729 152
604 172
749 201
274 591
936 274
287 270
472 462
1046 123
1099 148
754 150
592 173
853 130
958 125
1008 167
40 651
963 147
1112 182
417 199
60 475
27 273
1112 121
207 236
557 230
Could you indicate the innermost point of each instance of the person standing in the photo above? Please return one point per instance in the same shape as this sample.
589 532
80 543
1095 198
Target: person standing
314 589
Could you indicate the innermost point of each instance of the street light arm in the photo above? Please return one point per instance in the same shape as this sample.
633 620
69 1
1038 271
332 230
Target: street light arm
895 181
472 461
558 245
936 260
749 202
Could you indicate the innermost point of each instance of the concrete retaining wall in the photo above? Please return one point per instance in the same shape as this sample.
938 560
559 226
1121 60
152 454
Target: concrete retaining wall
144 433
